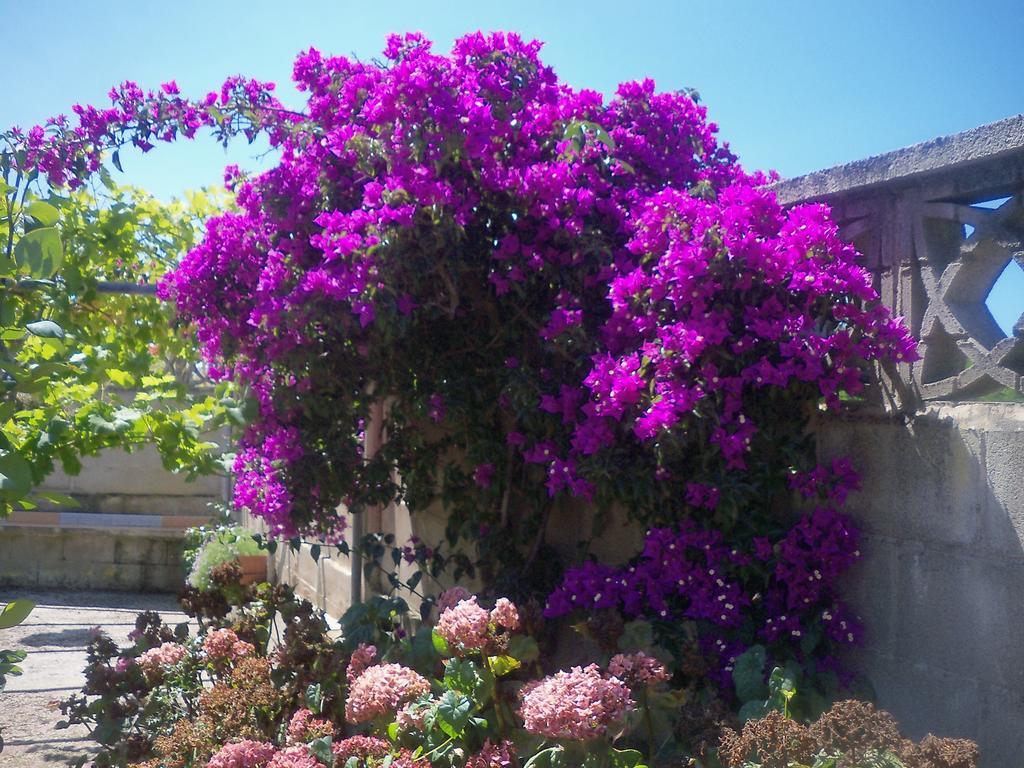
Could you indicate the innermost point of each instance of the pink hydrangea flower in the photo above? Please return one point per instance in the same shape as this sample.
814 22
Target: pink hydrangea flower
381 690
452 597
505 614
465 626
579 704
637 669
500 755
243 754
157 660
362 657
294 757
411 717
361 747
223 645
304 726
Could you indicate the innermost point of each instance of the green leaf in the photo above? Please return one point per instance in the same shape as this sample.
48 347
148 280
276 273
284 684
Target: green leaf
453 712
523 648
625 758
46 329
15 612
465 676
552 757
39 252
43 212
321 750
440 644
502 665
314 697
15 475
752 710
748 674
57 498
120 378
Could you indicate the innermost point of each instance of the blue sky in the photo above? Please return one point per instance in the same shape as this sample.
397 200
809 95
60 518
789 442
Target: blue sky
794 86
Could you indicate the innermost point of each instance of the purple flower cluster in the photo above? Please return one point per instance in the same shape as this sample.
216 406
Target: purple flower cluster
772 591
434 189
492 251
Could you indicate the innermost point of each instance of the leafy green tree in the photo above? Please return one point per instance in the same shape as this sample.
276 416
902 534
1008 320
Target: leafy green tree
89 358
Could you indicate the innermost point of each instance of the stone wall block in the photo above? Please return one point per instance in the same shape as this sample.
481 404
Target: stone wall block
926 700
925 485
1002 712
960 614
137 473
872 588
1004 465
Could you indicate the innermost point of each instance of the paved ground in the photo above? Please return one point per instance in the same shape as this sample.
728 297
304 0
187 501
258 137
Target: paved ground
55 636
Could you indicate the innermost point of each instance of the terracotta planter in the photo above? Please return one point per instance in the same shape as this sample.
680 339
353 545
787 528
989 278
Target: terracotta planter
254 568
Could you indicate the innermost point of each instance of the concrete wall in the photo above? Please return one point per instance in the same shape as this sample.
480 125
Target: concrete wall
52 557
118 482
941 585
123 532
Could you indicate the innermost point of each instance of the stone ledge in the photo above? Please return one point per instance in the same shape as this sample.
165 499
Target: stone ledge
940 155
169 525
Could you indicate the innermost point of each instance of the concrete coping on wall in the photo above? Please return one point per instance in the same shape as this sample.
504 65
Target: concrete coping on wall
992 142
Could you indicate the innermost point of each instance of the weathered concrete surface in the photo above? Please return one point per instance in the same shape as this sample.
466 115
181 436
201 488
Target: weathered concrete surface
944 154
143 560
123 531
139 473
941 587
55 636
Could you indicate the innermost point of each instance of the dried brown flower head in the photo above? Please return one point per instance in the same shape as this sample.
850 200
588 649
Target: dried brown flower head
774 741
855 729
934 752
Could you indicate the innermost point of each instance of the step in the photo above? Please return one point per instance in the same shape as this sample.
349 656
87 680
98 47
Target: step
86 550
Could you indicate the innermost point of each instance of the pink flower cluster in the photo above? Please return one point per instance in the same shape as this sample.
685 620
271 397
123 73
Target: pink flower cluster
491 755
580 704
294 757
304 726
223 645
361 747
505 614
381 690
452 597
243 754
362 657
468 627
637 669
465 626
157 660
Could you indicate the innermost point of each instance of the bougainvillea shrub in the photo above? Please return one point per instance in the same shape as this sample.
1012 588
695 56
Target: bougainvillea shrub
557 297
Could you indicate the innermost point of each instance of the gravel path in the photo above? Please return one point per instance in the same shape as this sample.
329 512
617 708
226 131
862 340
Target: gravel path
55 636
